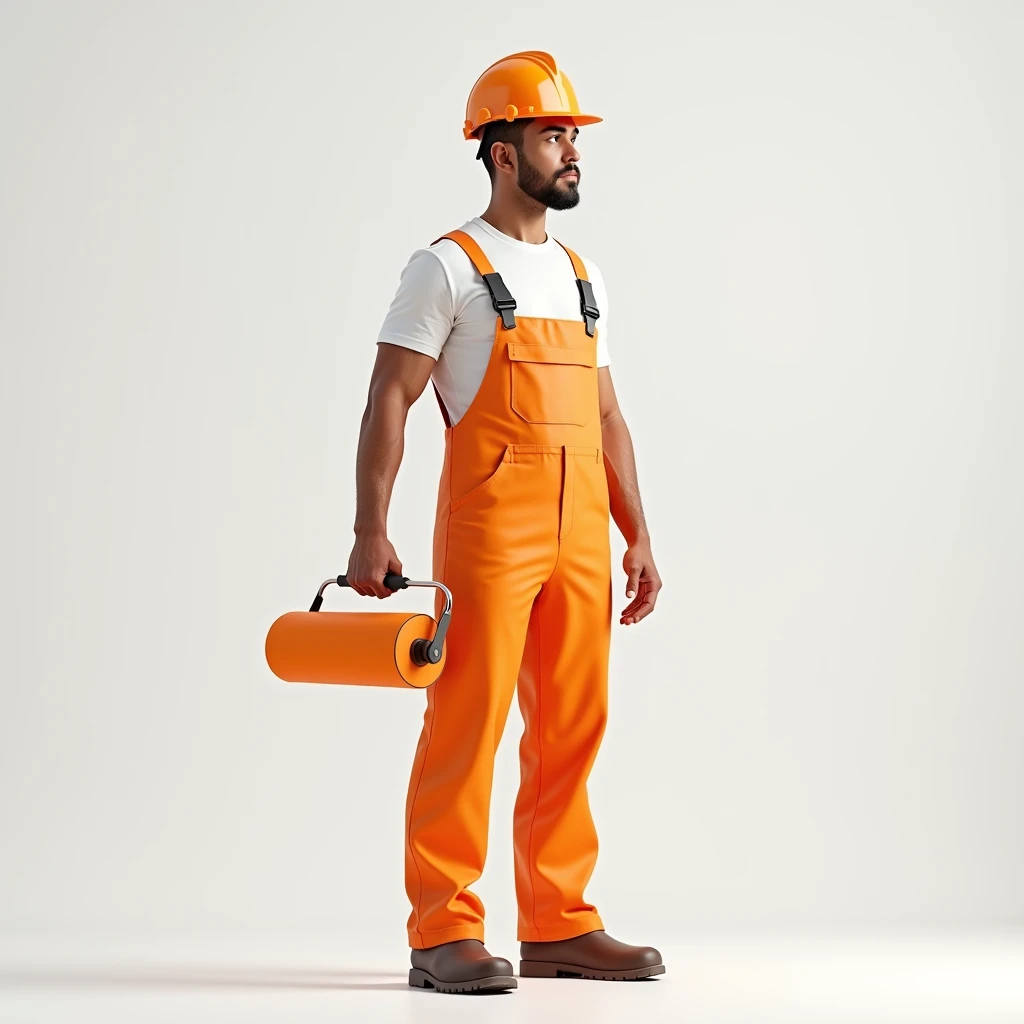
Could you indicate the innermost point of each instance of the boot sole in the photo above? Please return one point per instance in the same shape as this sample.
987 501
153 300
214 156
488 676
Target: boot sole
551 969
496 983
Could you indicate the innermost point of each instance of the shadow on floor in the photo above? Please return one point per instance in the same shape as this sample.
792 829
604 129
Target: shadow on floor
195 977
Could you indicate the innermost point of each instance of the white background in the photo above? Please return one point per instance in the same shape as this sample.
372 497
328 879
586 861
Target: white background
809 218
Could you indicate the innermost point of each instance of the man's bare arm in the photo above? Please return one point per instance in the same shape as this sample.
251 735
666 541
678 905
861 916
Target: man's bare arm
623 489
642 577
398 379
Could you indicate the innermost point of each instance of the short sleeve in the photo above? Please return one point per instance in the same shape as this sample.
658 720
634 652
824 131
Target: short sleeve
601 298
422 312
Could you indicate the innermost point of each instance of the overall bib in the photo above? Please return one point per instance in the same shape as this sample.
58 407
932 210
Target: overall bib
521 538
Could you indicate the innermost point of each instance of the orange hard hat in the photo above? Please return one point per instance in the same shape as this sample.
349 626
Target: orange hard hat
526 84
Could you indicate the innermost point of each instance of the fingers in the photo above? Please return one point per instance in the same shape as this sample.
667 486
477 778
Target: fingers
377 585
373 586
642 610
643 604
395 566
635 603
627 613
370 583
350 578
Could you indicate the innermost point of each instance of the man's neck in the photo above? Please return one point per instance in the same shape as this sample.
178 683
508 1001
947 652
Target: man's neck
527 224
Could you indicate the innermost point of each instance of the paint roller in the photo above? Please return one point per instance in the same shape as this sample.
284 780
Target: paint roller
400 649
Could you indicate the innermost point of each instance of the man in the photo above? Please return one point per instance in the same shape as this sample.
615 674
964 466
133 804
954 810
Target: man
503 319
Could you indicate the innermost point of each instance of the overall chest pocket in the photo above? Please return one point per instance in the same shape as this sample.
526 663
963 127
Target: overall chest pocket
554 383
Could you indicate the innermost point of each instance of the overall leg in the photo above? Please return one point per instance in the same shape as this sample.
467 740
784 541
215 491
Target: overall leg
493 559
563 694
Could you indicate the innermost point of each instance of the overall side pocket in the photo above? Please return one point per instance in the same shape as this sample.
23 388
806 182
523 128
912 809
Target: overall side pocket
486 484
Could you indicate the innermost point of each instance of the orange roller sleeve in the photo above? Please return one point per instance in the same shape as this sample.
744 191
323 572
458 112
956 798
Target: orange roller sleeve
357 648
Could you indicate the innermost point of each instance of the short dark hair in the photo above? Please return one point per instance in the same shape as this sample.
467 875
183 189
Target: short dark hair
501 131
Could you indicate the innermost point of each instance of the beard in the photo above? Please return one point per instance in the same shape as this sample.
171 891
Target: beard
547 190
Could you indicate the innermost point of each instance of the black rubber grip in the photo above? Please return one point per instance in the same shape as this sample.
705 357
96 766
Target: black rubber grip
392 581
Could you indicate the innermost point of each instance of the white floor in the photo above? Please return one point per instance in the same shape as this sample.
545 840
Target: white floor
969 978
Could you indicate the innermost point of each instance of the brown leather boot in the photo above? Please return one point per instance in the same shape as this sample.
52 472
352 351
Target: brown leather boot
460 966
593 955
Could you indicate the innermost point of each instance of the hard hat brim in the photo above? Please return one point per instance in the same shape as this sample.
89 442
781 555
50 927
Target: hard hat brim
578 119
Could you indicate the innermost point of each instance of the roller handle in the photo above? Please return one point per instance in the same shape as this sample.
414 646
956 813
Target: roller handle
392 581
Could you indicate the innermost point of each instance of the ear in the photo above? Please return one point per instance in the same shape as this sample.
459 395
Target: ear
504 156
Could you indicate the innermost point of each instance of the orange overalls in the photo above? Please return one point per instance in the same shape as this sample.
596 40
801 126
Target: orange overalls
521 539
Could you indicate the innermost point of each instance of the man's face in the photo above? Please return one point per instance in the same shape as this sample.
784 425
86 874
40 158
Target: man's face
548 169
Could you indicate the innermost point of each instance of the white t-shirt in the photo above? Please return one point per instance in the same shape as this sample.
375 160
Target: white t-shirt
443 308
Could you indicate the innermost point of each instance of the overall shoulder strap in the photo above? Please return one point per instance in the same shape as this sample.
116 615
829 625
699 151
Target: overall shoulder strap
501 297
588 304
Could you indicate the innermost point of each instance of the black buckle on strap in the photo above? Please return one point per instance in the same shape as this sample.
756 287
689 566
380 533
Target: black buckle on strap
501 299
588 304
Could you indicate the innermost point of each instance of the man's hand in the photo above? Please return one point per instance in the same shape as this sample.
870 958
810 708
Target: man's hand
372 558
642 579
